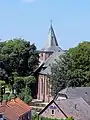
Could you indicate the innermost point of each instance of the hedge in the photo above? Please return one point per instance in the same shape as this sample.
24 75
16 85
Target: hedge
36 117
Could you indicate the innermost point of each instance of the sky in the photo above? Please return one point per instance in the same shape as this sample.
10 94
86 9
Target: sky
30 19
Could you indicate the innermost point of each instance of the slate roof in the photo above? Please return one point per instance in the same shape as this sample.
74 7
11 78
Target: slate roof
52 44
53 48
76 92
46 69
77 108
14 109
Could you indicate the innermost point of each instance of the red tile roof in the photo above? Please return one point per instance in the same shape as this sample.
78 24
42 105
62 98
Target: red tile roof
14 109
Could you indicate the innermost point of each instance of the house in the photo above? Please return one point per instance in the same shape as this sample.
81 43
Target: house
76 108
74 92
48 55
15 109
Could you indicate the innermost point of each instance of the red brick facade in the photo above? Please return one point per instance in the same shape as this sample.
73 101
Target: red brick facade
44 90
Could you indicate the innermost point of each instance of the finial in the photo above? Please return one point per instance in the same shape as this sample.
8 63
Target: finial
51 22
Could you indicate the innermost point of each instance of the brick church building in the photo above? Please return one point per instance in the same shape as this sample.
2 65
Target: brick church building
48 55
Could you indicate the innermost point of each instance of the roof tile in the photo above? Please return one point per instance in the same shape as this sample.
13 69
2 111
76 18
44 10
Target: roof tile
14 109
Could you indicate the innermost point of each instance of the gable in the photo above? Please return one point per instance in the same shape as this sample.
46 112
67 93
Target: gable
53 111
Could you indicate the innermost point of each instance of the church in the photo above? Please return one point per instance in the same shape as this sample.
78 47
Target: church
48 54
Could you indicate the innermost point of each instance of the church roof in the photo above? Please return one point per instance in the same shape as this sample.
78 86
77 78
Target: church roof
47 64
52 44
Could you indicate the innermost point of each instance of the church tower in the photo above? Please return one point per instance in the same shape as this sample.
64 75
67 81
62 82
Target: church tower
51 45
47 56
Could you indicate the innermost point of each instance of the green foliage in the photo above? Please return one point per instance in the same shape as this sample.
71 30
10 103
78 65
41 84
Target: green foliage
43 118
25 95
19 84
72 68
24 87
18 56
11 96
2 83
22 82
37 117
5 97
4 73
18 60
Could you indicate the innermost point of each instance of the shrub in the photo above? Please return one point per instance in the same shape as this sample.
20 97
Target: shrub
36 117
25 95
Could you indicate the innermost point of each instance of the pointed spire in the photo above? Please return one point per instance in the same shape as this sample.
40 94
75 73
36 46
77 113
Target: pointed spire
51 22
51 37
52 44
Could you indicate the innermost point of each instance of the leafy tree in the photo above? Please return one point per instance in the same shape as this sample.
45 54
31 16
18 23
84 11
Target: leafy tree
18 61
4 72
21 82
19 56
72 68
24 87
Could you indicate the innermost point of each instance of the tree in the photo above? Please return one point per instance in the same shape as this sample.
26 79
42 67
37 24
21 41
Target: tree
20 83
18 59
72 68
19 56
25 95
4 73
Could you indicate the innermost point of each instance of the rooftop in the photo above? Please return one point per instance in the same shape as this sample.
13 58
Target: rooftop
77 108
75 92
14 109
47 64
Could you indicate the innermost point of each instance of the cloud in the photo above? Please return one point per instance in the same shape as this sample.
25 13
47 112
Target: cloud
29 1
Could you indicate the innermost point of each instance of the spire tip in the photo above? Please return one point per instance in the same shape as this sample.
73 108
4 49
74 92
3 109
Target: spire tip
51 22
